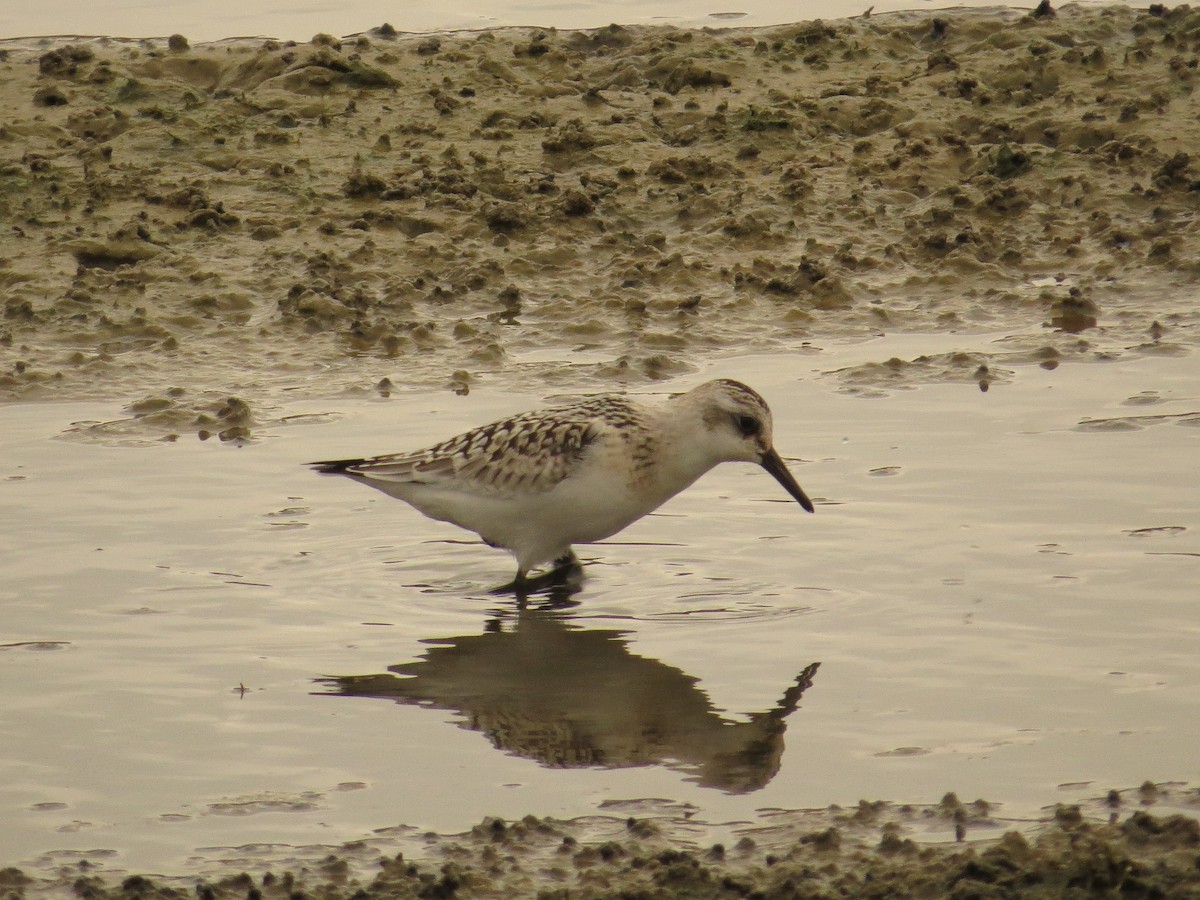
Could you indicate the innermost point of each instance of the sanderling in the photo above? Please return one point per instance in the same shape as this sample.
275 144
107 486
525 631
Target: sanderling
538 482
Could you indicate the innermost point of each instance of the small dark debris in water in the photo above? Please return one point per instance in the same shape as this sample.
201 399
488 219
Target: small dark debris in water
1155 531
36 645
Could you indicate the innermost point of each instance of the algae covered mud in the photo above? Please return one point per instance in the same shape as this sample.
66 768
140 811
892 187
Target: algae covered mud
251 218
803 856
957 252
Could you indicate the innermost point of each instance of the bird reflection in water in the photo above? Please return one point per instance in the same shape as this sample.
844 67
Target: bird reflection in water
544 688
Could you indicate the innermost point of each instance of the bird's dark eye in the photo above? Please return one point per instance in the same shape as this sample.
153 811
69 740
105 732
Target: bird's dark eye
747 425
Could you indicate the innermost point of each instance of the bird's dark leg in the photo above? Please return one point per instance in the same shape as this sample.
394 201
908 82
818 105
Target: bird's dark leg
566 562
519 586
564 580
521 590
564 576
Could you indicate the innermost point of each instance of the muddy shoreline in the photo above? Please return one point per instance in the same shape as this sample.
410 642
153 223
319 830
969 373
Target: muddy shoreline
356 216
1111 845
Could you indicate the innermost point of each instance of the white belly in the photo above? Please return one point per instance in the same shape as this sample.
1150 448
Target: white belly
600 498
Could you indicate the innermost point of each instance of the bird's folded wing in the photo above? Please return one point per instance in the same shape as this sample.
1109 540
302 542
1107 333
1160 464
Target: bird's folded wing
521 454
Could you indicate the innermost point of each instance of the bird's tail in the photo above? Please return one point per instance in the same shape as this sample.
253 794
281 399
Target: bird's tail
335 466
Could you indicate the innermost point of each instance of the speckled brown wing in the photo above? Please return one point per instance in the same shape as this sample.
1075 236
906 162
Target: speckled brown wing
528 452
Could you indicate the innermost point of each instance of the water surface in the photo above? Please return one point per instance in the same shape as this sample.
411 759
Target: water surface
999 587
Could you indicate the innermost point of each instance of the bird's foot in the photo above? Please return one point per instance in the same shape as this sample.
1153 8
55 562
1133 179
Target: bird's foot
557 583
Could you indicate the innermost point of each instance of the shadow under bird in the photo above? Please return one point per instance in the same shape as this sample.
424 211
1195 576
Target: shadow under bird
538 482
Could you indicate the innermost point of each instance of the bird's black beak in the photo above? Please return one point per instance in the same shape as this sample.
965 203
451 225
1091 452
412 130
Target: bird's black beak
773 464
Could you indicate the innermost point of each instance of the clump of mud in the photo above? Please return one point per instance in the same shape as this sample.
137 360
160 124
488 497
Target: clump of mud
250 216
876 378
177 413
173 413
873 850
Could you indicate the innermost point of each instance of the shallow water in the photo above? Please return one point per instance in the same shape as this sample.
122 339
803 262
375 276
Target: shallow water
999 586
218 19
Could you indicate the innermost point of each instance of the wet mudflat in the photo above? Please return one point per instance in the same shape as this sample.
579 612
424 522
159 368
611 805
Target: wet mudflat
963 258
306 218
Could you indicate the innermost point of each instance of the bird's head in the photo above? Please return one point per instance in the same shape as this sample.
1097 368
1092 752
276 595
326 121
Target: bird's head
739 428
